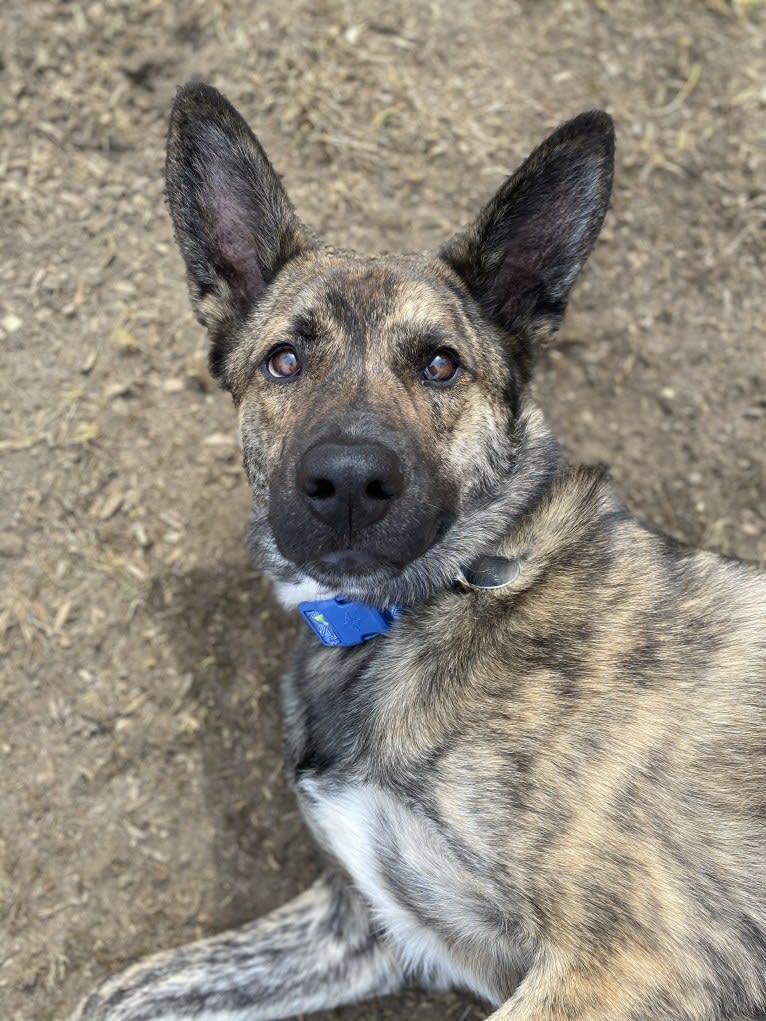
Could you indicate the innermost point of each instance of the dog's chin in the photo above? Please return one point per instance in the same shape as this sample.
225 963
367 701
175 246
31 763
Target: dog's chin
312 581
360 572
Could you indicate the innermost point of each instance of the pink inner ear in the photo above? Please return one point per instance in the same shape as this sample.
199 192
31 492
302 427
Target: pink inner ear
519 277
233 241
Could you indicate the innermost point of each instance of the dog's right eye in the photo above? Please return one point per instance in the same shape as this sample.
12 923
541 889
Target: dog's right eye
443 367
283 363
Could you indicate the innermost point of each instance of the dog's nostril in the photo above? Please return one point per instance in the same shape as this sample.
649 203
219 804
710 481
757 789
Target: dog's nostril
378 490
319 489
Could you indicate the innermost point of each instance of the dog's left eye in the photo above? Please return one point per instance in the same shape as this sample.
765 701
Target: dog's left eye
442 367
283 363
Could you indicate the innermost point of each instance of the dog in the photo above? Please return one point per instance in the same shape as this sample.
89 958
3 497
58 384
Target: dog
527 731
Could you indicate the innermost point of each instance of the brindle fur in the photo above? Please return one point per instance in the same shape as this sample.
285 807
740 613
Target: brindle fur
552 795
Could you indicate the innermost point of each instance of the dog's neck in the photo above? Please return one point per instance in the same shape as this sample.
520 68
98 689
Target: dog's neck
564 526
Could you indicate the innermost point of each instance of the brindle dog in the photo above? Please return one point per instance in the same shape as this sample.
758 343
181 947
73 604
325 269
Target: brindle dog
545 783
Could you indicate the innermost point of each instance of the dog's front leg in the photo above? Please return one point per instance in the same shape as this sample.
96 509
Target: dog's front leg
317 952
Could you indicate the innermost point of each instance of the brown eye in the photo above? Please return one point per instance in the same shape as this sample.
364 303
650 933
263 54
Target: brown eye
283 363
441 368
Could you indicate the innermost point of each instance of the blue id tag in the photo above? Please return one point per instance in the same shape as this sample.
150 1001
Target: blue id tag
341 621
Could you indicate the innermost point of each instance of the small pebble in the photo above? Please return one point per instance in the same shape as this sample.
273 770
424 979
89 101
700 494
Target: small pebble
11 323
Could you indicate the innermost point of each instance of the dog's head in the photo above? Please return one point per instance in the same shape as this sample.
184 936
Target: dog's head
382 409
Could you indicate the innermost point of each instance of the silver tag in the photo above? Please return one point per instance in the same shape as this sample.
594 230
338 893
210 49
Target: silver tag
489 573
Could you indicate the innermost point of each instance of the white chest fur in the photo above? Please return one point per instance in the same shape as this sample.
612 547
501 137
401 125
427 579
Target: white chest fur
398 861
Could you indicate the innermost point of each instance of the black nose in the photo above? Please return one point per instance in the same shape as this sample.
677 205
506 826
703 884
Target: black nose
349 485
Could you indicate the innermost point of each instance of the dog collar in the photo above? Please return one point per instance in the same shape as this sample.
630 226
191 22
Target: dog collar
341 621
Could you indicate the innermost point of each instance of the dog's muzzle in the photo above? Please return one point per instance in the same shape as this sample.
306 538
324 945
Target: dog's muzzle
354 505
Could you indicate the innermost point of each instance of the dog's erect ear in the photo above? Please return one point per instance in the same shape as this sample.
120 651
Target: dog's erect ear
523 253
234 224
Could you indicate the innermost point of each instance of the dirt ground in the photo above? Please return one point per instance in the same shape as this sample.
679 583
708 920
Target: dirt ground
141 798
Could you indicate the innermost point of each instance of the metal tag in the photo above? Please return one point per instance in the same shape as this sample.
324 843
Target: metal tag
490 573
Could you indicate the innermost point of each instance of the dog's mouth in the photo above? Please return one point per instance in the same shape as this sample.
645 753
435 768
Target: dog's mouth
351 568
353 561
345 566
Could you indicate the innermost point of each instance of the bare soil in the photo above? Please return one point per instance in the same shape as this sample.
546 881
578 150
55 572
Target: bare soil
142 802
